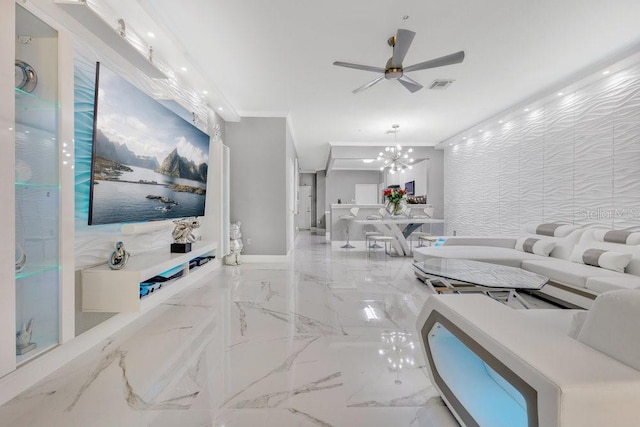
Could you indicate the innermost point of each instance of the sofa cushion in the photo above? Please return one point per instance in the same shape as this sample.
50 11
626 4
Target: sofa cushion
602 258
604 284
503 256
569 273
613 326
542 247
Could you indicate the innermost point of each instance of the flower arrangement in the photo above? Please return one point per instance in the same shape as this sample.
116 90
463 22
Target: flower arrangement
395 198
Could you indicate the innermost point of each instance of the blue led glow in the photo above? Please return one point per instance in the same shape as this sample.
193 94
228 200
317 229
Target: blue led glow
488 397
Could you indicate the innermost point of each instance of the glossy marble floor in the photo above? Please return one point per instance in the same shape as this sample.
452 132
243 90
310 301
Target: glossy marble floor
324 340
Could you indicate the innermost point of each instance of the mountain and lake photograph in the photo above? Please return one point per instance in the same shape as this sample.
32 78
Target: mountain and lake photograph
148 163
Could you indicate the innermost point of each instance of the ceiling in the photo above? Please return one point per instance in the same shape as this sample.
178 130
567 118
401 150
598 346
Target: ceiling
274 58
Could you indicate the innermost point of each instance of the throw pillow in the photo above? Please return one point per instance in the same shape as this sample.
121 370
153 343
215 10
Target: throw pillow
624 237
610 260
542 247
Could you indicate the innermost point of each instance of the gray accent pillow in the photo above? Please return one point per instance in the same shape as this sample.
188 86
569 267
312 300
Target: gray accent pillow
542 247
595 257
547 229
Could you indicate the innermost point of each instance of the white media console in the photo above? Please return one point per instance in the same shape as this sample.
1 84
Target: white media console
114 291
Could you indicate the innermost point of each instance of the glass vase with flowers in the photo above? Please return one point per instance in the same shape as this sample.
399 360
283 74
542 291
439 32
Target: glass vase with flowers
396 199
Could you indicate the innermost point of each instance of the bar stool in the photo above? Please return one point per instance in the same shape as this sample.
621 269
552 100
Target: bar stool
387 240
348 218
368 234
421 235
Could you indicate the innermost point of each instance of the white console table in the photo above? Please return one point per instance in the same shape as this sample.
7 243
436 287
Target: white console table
113 291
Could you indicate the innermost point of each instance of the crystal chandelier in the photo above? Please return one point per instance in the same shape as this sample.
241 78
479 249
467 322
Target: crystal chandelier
393 157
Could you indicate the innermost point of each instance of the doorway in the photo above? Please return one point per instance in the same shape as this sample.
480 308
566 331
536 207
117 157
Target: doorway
303 219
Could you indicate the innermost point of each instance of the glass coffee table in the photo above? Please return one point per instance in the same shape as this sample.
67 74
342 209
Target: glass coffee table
496 281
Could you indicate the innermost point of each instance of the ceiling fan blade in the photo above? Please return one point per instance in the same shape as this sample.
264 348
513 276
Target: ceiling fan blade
403 42
368 85
359 67
411 85
454 58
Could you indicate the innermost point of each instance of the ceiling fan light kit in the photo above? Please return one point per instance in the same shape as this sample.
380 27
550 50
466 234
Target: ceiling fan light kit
394 70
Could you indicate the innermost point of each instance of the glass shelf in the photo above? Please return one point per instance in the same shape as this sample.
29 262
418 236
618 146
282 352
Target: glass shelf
37 185
36 270
26 101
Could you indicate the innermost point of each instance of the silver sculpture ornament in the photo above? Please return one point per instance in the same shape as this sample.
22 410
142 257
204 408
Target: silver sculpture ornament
119 257
21 258
182 233
23 338
235 245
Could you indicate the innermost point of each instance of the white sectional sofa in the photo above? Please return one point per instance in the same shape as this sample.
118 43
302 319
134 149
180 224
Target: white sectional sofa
499 367
570 281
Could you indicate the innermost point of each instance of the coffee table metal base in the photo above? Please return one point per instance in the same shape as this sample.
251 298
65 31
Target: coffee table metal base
450 286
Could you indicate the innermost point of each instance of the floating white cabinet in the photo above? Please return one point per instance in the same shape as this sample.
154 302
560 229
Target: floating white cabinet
112 291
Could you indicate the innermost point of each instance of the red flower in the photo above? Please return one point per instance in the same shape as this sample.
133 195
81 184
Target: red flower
387 192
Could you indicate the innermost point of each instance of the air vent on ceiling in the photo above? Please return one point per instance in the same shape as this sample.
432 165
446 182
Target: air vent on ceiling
440 84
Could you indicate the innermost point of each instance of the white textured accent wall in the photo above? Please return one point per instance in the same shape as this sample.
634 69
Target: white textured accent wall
575 158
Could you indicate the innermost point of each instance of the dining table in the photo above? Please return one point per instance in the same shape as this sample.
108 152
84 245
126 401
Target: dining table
400 229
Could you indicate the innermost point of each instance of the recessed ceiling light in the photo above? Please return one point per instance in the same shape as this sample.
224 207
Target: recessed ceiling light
464 137
151 35
605 72
500 121
526 110
204 92
220 108
560 93
183 68
480 131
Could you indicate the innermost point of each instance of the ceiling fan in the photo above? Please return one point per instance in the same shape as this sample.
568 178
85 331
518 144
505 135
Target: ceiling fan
394 69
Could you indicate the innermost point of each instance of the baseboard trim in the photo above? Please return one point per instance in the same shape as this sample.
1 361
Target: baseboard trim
264 258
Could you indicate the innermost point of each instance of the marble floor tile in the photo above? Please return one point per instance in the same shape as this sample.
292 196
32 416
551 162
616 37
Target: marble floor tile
327 339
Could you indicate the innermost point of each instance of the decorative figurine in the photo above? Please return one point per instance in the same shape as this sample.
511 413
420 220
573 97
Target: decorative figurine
23 338
21 258
182 234
235 245
119 257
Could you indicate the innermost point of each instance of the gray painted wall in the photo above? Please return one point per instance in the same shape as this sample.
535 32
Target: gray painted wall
258 182
342 185
321 197
292 191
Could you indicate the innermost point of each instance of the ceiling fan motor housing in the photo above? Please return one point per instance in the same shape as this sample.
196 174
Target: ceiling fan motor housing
390 72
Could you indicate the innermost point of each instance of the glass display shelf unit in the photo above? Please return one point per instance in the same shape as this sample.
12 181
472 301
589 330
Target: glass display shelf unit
39 158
